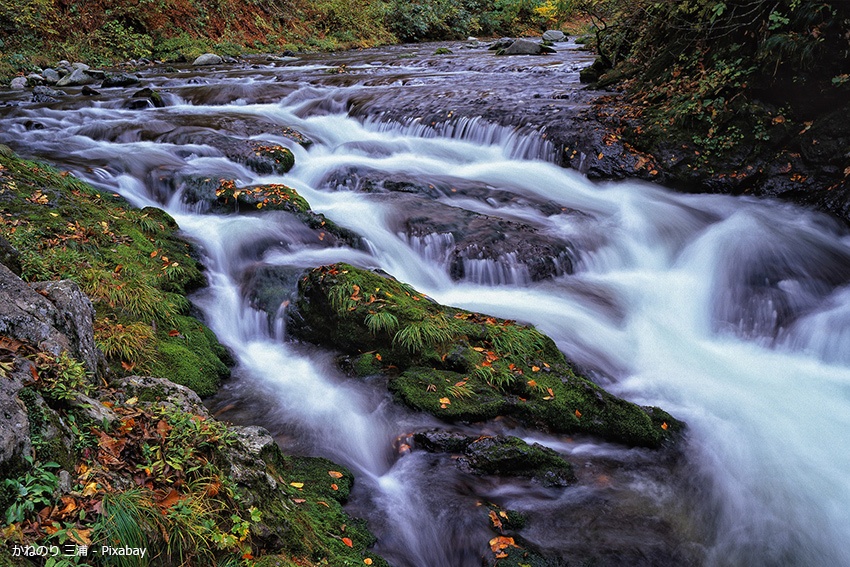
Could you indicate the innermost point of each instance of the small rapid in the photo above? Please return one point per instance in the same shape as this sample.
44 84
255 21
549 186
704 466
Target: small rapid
731 313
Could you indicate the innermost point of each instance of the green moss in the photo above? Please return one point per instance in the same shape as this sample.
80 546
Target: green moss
130 262
190 355
307 509
459 365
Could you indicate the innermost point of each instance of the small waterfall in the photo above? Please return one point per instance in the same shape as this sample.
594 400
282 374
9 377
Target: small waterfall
517 142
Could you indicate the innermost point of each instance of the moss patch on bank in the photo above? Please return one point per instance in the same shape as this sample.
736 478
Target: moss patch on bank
459 365
129 261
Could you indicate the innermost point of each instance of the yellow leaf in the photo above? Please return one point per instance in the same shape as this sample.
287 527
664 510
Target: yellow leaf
601 155
297 484
478 349
90 489
445 401
535 369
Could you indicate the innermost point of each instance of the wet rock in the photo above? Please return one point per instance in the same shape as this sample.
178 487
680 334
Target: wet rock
265 158
88 91
18 83
207 59
269 288
77 77
481 248
145 98
34 79
459 365
502 43
554 35
43 94
119 80
511 456
525 47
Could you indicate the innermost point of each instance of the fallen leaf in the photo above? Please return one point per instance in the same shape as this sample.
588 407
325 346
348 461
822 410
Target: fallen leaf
173 333
445 401
535 369
500 543
578 413
298 485
494 518
335 474
335 487
347 541
664 426
299 500
367 561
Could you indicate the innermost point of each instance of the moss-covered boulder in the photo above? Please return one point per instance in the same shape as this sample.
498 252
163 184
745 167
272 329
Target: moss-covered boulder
265 158
130 262
222 196
459 365
501 456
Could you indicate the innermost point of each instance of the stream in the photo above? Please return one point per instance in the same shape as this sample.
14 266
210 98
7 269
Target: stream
731 313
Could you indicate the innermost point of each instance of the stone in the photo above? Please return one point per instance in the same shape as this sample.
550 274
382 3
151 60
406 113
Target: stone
119 80
149 389
18 83
14 423
525 47
34 79
80 66
76 78
75 319
145 98
51 76
208 59
42 94
9 256
554 35
88 91
93 409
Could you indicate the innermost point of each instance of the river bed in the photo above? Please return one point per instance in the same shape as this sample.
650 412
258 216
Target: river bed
733 314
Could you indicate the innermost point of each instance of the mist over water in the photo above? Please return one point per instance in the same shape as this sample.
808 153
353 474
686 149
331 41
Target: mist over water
730 313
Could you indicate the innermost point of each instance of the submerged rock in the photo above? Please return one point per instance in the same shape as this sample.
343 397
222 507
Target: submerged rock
265 158
119 80
501 456
460 365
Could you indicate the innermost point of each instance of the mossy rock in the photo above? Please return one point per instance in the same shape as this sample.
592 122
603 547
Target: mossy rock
190 355
459 365
501 456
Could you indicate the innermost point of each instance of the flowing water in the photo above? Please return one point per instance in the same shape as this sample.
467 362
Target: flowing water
732 314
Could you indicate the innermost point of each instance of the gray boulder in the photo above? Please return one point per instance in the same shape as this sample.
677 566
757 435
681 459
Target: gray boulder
119 80
14 427
76 78
18 83
60 320
51 76
80 66
46 94
554 35
74 319
208 59
526 47
149 389
35 79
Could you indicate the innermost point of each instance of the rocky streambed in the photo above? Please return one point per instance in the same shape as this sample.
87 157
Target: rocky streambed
516 365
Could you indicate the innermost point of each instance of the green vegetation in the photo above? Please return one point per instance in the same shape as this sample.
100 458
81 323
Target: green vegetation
458 365
40 32
128 261
724 80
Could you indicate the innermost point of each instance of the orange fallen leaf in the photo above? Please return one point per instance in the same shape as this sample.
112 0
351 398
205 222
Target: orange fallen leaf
335 474
664 426
347 541
578 413
535 369
497 523
173 333
500 543
532 383
367 561
299 500
335 487
378 357
445 401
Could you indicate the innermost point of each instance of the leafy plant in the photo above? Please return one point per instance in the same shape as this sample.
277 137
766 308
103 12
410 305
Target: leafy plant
418 335
378 321
33 489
